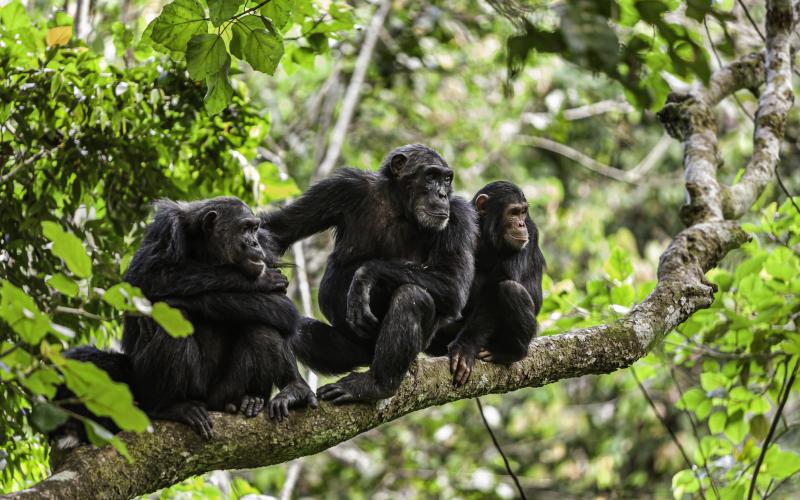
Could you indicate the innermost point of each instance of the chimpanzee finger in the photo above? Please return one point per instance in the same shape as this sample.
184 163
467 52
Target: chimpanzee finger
484 353
462 373
231 408
345 397
285 408
330 392
454 359
275 410
312 401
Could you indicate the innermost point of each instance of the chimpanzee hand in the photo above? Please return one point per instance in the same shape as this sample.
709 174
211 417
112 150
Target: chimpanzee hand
294 395
359 314
272 280
191 413
462 359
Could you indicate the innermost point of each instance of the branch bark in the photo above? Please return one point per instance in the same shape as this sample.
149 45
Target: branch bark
172 452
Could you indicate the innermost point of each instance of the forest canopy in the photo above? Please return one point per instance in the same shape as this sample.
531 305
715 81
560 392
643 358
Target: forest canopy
656 143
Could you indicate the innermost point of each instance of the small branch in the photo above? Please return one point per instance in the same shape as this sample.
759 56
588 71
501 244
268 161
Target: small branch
778 412
672 435
597 108
354 89
627 176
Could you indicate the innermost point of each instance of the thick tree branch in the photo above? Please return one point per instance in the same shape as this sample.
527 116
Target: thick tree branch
173 452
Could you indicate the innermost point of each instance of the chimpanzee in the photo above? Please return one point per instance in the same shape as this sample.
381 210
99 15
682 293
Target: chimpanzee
401 265
499 320
210 259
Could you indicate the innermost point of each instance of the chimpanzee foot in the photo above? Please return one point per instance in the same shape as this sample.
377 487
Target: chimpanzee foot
294 395
462 360
353 388
191 413
251 405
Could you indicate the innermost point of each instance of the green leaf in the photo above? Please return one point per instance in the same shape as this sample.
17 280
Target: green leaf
14 16
759 427
68 247
222 10
101 395
46 417
263 49
99 436
241 30
716 423
22 315
205 55
220 91
172 320
781 464
736 429
177 24
691 399
278 11
63 284
43 381
618 266
126 297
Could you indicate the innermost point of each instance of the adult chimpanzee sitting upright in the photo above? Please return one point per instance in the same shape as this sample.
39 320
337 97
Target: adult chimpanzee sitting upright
210 259
499 320
401 266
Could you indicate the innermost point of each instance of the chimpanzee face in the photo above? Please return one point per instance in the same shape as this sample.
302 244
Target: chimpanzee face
503 215
515 232
426 183
232 237
432 187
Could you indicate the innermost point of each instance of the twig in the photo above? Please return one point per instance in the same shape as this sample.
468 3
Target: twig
773 426
500 451
752 21
696 434
670 431
11 173
354 89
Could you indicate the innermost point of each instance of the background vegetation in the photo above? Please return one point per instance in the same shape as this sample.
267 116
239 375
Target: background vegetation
106 106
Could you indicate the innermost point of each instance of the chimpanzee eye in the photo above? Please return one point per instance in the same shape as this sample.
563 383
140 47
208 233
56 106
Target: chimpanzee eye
429 178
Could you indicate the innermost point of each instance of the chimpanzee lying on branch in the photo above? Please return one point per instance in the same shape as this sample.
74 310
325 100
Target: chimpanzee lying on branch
211 259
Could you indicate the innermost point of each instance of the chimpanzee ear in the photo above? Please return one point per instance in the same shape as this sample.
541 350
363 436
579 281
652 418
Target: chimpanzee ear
480 203
208 221
397 164
168 231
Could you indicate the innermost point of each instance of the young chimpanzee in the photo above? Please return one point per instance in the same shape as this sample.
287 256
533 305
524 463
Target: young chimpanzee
401 266
210 259
499 320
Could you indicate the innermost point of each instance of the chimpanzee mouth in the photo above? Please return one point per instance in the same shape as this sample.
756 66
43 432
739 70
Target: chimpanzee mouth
437 215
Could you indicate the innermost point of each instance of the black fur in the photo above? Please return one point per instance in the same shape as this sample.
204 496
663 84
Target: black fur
210 259
499 320
401 265
243 320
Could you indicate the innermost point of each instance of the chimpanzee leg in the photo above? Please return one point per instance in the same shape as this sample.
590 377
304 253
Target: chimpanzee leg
518 324
327 350
405 331
294 391
170 377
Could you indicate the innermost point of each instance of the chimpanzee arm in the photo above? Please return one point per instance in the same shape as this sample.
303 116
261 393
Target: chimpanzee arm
195 278
319 208
446 276
271 309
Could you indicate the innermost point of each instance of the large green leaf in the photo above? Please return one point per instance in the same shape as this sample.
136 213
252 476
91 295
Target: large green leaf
241 30
205 55
64 285
43 381
278 11
263 49
45 417
99 435
68 247
22 314
102 395
172 320
222 10
220 91
178 23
